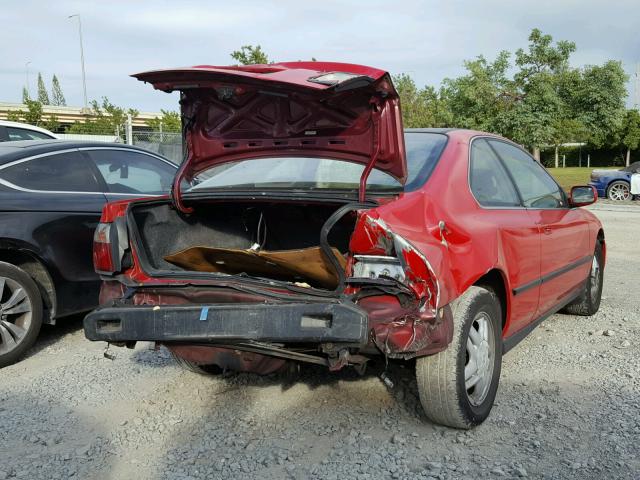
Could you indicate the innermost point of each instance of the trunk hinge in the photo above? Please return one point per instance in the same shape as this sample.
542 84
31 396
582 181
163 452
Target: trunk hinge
376 113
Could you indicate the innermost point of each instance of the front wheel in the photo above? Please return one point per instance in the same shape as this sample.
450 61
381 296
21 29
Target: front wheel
20 313
619 191
457 387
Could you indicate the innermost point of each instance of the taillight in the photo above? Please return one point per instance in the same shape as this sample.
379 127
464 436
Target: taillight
381 253
103 260
110 241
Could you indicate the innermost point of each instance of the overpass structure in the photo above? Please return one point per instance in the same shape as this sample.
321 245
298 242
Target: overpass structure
70 115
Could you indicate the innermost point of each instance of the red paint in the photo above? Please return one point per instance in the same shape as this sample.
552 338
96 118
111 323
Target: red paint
262 111
446 241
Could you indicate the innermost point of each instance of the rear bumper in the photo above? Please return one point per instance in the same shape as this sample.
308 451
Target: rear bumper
223 323
600 187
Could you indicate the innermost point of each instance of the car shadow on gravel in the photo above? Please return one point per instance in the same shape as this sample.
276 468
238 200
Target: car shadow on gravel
51 334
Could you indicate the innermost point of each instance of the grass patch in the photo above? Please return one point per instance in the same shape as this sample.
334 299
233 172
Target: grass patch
570 176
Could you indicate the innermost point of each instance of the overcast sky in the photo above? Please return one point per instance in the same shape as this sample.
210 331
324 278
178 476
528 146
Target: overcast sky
427 39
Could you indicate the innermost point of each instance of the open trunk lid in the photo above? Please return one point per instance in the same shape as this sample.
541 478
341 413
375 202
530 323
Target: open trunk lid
308 109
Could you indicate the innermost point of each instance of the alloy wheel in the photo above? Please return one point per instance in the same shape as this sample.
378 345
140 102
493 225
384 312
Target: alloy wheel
619 192
15 314
595 279
478 369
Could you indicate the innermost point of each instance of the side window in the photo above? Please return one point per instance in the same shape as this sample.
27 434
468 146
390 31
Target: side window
537 188
24 134
67 172
489 182
133 172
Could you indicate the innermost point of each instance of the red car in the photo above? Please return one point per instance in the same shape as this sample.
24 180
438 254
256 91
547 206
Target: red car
305 226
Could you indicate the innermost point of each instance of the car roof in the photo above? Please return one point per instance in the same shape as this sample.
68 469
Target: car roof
10 151
25 126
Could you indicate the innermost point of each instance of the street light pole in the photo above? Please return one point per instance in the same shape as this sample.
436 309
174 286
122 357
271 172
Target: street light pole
26 69
84 79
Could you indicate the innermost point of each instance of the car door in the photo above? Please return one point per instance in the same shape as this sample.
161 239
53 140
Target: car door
130 173
517 232
53 201
565 255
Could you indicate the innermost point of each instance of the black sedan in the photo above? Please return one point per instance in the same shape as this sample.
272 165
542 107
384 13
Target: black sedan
51 197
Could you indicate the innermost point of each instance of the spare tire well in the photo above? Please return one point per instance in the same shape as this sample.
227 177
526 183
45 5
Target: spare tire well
493 280
37 271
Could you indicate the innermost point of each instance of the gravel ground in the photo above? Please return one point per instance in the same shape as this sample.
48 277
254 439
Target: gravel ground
568 407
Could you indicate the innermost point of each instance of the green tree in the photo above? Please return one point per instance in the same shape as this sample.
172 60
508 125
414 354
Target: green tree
482 98
33 115
421 107
43 96
107 119
250 55
168 122
57 97
630 132
25 95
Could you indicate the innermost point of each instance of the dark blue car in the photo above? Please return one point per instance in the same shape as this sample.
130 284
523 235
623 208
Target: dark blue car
614 184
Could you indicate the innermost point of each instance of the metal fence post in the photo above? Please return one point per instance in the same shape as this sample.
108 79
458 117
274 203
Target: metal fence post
129 130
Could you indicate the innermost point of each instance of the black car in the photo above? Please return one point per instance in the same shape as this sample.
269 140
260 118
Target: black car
51 196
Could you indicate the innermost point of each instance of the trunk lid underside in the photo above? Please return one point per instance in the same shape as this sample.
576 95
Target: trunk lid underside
307 109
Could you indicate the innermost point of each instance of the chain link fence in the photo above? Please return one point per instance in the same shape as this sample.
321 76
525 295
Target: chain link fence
168 145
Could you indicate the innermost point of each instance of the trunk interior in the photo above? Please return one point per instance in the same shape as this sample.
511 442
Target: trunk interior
276 240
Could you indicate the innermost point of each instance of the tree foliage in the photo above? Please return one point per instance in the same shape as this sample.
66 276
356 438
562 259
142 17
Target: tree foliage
538 100
250 55
57 97
43 95
629 134
169 122
107 119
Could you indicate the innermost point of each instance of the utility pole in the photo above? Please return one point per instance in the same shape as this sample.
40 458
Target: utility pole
26 69
636 98
84 78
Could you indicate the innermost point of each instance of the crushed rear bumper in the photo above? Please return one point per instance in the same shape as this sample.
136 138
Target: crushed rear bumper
223 323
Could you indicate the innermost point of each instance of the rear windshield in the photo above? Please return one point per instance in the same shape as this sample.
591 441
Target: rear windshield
423 151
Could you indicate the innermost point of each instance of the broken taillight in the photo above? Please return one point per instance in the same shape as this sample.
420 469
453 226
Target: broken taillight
380 253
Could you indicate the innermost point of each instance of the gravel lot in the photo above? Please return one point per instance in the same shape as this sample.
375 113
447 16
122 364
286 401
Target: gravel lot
568 407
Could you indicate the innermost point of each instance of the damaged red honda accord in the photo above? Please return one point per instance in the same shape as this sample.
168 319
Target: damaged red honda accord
304 225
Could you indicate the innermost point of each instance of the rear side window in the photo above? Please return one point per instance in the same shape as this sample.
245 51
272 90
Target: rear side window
133 172
537 188
488 179
24 134
64 172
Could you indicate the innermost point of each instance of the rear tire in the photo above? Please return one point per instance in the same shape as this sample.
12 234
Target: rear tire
619 191
20 313
196 368
588 302
445 380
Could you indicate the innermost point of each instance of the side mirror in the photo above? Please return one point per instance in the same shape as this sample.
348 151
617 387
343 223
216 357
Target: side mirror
582 195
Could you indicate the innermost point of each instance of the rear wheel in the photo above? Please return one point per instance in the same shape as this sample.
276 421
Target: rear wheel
457 387
196 368
20 313
619 191
588 302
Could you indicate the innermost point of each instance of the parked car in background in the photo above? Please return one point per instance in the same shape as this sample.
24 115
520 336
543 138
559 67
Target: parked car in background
315 230
51 196
614 184
15 131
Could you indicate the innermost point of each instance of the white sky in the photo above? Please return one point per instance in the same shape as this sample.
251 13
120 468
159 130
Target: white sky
427 39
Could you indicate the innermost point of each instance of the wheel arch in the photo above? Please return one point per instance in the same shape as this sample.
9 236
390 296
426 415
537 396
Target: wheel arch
495 280
29 261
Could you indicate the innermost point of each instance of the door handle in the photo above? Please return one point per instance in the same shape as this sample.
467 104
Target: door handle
547 231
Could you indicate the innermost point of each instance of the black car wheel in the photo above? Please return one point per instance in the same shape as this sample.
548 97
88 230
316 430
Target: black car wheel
619 191
588 302
457 387
20 313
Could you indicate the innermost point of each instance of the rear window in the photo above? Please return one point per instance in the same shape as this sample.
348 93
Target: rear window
423 152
